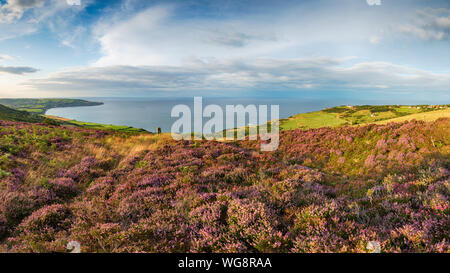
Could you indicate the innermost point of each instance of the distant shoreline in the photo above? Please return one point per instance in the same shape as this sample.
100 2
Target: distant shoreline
69 106
41 106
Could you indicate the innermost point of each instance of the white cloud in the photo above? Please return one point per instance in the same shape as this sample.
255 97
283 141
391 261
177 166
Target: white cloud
151 37
158 36
15 30
70 39
123 41
235 38
14 9
429 24
23 17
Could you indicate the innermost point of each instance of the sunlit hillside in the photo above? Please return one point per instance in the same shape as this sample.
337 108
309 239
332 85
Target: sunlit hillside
323 190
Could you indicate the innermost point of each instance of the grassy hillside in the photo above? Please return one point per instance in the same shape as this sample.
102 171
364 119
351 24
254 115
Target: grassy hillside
39 106
323 190
97 126
354 115
7 113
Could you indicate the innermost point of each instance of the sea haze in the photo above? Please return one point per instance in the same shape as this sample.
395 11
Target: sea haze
151 113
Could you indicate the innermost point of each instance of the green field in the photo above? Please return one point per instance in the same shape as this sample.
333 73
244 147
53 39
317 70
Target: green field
98 126
359 115
426 116
312 120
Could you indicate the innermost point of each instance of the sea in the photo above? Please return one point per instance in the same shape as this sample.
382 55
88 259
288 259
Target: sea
151 113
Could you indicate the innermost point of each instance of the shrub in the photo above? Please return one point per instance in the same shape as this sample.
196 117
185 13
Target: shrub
64 188
15 206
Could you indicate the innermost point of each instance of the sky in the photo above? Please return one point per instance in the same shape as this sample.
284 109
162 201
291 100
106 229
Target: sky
122 48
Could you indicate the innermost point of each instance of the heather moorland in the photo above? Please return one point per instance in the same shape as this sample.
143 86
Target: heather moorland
246 127
323 190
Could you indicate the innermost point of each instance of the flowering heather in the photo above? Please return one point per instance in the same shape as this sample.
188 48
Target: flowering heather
323 190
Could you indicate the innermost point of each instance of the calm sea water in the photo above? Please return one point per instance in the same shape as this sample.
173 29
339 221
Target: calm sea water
151 113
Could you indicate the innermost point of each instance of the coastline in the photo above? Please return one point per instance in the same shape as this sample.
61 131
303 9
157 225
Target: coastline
41 106
68 106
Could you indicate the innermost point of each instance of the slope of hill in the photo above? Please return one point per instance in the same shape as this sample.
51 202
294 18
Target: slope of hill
323 190
354 115
7 113
40 106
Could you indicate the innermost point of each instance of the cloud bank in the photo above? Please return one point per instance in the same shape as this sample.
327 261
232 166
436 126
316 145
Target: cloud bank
319 73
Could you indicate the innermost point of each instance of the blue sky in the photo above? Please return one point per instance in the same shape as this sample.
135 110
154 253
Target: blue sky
53 48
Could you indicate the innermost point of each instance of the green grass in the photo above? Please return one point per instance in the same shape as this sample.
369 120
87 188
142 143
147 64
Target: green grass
312 120
98 126
36 111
